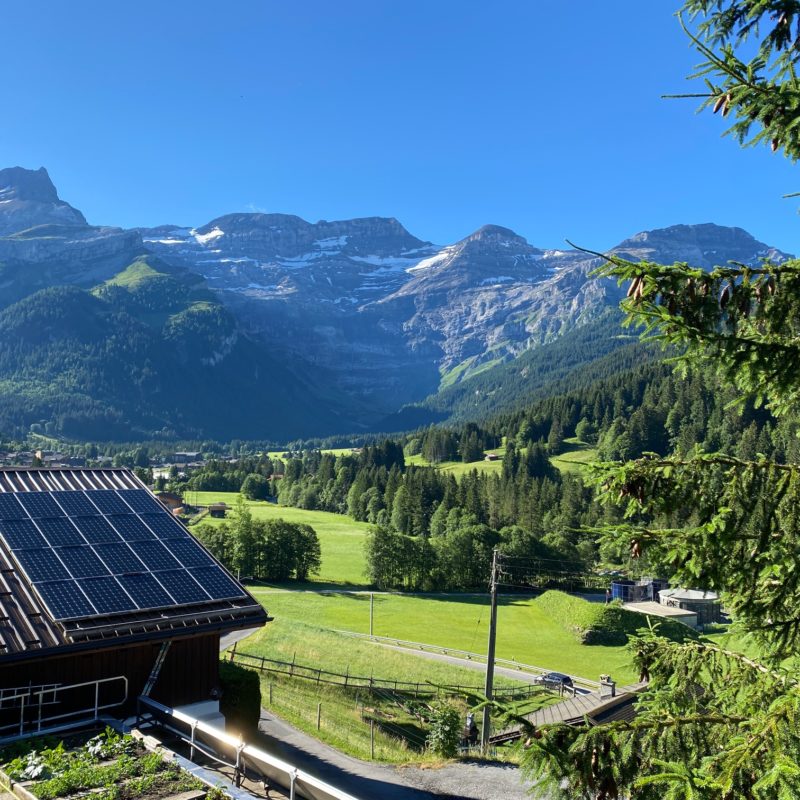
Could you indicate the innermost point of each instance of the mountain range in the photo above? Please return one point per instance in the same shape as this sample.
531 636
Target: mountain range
271 327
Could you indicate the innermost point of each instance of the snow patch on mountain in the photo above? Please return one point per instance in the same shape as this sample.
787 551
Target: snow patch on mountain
204 238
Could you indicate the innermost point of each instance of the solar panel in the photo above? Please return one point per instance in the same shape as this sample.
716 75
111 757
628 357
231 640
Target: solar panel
140 501
76 504
131 528
96 530
40 504
108 501
155 556
108 552
82 562
217 583
21 533
164 526
180 584
107 595
40 565
145 590
10 507
119 558
60 532
190 554
64 599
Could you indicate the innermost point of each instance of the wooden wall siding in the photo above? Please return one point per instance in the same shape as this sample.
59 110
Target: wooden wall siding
188 675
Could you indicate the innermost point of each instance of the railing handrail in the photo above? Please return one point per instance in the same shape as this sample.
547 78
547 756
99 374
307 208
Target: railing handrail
293 778
26 691
45 720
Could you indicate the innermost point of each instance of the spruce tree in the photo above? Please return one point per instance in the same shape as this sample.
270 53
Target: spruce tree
713 723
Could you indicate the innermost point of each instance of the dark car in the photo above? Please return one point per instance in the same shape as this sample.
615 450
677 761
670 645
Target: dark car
555 680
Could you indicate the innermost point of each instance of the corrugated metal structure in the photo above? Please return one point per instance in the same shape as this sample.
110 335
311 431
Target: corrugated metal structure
95 574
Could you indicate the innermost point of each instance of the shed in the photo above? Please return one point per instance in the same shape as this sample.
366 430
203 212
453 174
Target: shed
705 604
217 509
101 592
170 500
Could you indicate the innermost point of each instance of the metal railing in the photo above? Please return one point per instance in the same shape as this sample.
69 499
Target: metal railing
11 695
33 718
216 744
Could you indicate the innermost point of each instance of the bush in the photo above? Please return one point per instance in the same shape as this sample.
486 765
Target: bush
445 732
241 697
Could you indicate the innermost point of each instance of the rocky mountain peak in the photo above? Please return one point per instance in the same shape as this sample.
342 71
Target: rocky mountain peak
705 245
28 198
496 234
18 183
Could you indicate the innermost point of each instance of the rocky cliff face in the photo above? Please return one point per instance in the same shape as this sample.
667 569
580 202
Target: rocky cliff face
45 241
377 313
28 198
389 316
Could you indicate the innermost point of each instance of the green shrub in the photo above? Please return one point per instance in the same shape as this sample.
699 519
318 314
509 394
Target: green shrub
445 731
241 697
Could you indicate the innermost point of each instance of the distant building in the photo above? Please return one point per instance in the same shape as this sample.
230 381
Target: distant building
641 591
705 604
492 457
217 510
171 500
185 457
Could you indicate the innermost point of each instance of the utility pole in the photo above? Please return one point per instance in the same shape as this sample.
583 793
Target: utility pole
487 711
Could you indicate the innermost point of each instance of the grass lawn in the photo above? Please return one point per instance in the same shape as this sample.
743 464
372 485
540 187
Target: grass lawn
575 457
526 633
341 538
459 468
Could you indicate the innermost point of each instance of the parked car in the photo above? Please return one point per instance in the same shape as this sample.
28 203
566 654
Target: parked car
555 680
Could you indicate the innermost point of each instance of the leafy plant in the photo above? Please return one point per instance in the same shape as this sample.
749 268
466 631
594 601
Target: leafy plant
445 730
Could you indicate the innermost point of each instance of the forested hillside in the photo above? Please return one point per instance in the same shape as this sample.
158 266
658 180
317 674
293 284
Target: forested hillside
138 357
436 531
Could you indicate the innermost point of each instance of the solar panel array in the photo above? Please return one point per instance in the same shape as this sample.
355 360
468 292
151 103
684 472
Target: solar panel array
105 552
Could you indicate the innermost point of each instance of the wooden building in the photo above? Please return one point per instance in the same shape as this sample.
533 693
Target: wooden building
101 592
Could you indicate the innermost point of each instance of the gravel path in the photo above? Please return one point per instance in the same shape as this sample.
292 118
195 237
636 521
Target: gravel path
368 781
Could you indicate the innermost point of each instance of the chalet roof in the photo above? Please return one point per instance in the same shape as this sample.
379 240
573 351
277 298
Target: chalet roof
89 558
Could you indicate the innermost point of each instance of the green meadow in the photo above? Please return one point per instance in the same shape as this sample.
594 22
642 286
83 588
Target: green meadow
528 630
341 538
575 457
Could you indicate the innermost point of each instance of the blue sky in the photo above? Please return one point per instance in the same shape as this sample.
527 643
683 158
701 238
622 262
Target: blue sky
542 116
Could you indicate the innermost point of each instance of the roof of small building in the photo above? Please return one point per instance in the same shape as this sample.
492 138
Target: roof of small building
89 558
656 609
689 594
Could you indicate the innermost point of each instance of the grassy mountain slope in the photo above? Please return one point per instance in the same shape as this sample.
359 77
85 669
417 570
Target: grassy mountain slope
149 352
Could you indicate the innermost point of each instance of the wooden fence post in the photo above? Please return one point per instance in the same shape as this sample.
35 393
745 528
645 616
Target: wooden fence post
319 714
